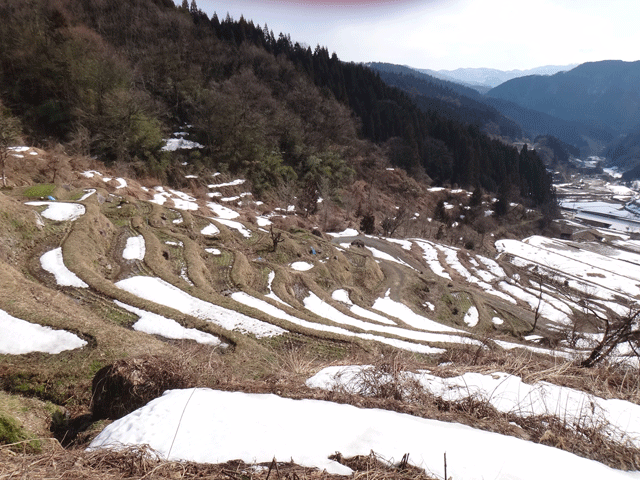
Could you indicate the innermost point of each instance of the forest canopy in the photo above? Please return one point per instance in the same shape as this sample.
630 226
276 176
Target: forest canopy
113 79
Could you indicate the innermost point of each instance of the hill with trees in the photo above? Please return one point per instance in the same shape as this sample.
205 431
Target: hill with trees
113 80
588 138
624 153
557 152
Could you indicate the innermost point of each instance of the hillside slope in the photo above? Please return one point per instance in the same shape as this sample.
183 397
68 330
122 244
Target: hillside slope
207 287
211 209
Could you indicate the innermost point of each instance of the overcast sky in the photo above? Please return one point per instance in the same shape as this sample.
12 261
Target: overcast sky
449 34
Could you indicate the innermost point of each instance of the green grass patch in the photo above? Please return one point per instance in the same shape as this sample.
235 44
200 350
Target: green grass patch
118 316
95 366
76 195
456 306
224 259
40 190
120 221
120 214
12 433
25 384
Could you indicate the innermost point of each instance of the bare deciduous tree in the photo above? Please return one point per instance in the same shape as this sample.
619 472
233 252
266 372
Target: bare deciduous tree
57 162
391 223
538 278
276 238
614 328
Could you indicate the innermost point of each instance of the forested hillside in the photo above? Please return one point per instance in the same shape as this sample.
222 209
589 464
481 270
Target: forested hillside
535 123
625 152
555 150
113 79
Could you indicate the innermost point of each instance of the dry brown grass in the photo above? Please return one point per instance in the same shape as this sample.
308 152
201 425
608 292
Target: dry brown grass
142 463
610 380
375 467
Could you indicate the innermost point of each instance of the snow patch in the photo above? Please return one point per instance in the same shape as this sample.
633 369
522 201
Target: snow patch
235 225
18 337
471 317
53 263
135 248
154 324
60 211
349 232
157 290
222 212
301 266
210 230
210 426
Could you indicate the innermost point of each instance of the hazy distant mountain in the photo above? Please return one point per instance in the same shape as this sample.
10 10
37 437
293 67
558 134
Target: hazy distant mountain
490 77
495 115
437 80
452 100
602 94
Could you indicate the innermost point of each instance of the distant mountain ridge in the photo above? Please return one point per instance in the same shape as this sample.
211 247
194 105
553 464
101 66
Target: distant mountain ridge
506 118
450 99
491 77
602 94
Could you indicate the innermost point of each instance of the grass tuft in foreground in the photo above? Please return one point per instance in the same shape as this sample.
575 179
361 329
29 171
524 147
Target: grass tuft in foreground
143 463
14 436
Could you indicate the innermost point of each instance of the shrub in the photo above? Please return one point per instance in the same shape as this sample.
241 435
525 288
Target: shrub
368 224
129 384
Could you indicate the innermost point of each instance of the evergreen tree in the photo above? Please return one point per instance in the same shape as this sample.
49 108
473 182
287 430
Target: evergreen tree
501 205
476 197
